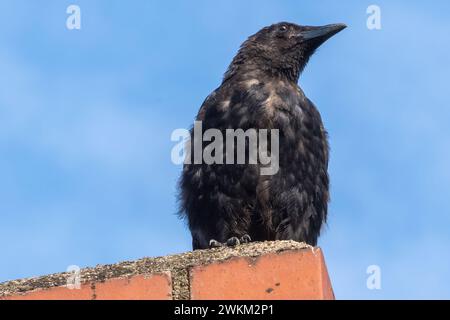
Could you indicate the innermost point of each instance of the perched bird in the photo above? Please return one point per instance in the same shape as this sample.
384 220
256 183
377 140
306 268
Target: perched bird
235 203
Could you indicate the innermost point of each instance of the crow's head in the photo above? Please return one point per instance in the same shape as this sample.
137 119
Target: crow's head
283 48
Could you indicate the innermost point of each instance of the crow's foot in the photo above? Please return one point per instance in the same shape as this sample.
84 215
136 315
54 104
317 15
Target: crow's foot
231 242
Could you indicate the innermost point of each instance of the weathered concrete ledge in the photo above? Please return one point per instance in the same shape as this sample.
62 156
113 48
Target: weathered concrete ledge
259 270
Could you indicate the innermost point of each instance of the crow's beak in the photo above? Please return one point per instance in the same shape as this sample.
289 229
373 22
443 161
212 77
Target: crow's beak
318 35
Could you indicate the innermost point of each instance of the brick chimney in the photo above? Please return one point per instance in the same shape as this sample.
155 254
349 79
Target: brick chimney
260 270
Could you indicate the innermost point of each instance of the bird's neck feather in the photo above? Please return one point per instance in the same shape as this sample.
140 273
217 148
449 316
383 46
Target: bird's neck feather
251 64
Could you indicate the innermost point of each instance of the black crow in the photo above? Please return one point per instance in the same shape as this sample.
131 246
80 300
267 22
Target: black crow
235 203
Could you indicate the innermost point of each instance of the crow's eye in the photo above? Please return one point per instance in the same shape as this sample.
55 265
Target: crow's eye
283 28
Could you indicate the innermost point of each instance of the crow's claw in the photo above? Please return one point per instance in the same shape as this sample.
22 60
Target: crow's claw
215 244
233 241
245 238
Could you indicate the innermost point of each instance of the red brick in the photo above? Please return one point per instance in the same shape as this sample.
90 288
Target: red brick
299 274
154 287
56 293
140 287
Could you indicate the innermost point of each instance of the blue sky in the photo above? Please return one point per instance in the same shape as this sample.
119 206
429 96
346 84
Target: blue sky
86 117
